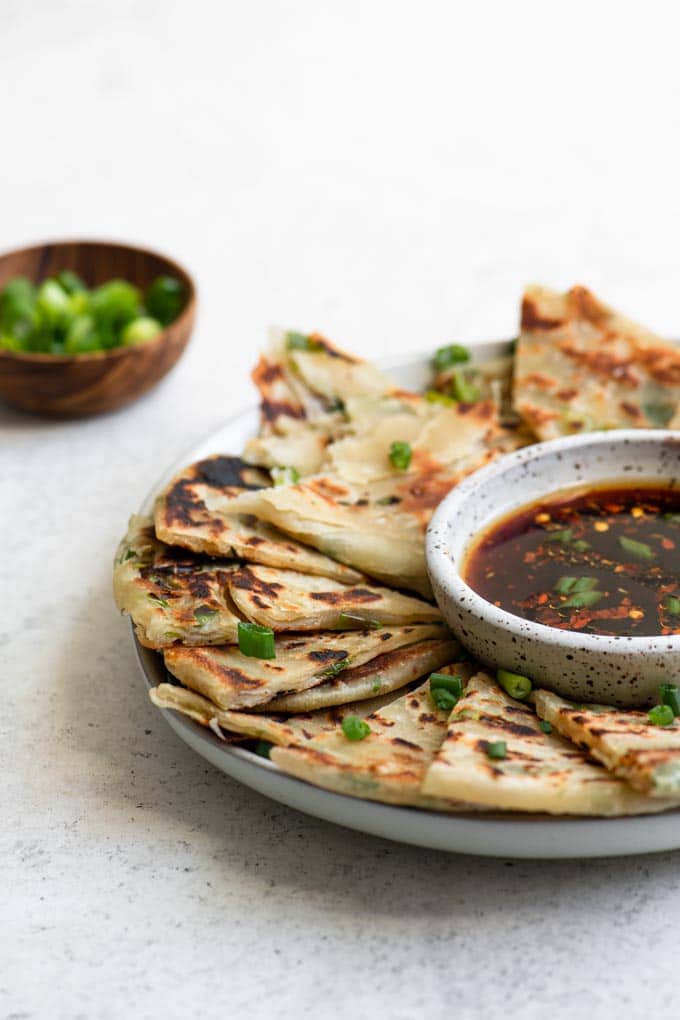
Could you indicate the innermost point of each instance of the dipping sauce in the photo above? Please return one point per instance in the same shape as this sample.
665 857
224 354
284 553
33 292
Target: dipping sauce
597 560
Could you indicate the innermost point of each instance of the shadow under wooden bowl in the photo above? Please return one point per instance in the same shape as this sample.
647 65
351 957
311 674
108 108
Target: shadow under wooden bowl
76 385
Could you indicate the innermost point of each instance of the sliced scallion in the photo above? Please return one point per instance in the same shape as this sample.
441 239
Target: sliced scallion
400 454
639 550
545 726
563 535
285 475
302 342
255 641
661 715
514 684
463 390
355 728
446 682
672 605
263 747
565 584
582 600
451 354
670 695
496 749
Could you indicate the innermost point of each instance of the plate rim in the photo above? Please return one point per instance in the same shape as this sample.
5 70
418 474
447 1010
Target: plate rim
504 835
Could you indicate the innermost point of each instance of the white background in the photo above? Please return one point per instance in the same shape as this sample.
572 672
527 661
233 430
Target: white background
392 174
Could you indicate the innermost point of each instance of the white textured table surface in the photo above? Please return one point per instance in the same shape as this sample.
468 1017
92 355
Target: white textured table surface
391 173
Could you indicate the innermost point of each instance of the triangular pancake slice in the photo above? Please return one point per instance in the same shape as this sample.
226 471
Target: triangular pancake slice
287 600
647 756
381 675
541 772
279 729
196 512
233 680
581 366
171 596
389 764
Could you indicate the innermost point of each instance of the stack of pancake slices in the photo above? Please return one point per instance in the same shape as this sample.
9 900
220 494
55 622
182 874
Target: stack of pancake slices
287 592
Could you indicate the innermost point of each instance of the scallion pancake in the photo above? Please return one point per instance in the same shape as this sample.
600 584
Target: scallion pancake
196 512
280 729
581 366
287 600
170 595
646 756
233 680
388 765
387 672
495 753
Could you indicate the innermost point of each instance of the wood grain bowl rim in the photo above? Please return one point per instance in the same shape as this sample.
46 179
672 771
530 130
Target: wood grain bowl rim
184 319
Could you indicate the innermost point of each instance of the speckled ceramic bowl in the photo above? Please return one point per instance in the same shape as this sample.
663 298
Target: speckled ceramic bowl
623 671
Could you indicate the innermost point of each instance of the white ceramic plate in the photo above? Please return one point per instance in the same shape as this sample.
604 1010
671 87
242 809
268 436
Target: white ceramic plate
537 836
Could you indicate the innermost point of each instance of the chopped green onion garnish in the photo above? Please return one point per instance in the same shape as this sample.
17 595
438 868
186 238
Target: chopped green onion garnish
585 584
255 641
446 682
514 684
545 726
462 389
352 621
582 600
564 535
659 414
355 728
444 700
580 545
158 601
565 584
285 475
670 695
498 749
661 715
302 342
672 605
335 668
452 354
400 454
671 517
435 397
640 550
263 747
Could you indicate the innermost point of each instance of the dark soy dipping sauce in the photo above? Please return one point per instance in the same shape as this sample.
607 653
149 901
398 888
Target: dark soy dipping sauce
597 560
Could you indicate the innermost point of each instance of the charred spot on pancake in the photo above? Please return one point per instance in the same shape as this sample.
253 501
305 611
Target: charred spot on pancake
406 743
246 580
182 505
230 472
326 655
532 319
273 409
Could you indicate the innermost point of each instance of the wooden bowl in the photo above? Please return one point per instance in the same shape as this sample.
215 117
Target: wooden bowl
75 385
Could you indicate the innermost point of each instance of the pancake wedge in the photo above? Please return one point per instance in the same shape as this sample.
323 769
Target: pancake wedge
287 600
541 772
646 756
389 764
385 673
280 729
233 680
170 595
196 512
582 366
